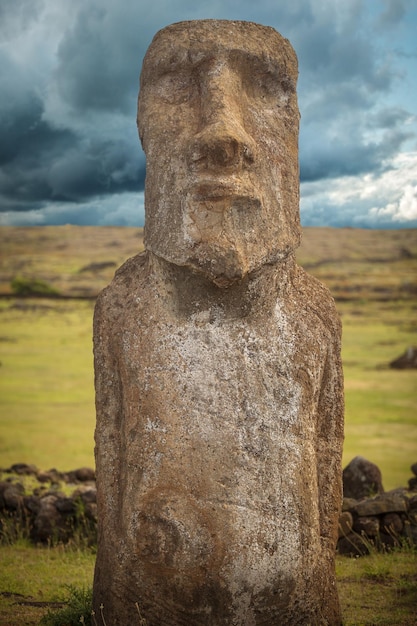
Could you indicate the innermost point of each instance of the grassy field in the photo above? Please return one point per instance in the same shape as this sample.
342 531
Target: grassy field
47 396
35 580
46 381
80 260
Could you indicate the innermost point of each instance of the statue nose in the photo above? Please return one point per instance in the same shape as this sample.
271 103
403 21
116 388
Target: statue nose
222 141
222 144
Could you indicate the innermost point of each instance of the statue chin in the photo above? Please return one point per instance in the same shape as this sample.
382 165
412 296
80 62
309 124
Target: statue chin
218 239
222 265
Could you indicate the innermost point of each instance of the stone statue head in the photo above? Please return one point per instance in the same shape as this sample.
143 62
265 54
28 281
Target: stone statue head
218 120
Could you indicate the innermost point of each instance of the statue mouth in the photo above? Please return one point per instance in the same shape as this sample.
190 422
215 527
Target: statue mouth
220 210
218 189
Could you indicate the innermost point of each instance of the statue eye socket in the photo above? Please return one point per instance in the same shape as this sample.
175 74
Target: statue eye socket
266 85
176 87
269 88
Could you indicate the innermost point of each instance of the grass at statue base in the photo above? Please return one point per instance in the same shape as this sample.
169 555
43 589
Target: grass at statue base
378 589
47 390
33 579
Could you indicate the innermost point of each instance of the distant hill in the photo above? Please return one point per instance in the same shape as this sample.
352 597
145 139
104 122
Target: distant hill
79 261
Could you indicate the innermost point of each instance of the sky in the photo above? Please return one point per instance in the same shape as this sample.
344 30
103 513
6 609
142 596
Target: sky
69 75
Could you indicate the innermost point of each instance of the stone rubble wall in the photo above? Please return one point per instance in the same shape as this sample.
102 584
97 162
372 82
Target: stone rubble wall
372 517
45 513
35 504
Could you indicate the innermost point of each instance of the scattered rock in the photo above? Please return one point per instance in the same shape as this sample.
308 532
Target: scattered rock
85 474
97 267
412 503
48 521
353 545
22 469
412 483
348 504
361 479
408 360
47 514
13 496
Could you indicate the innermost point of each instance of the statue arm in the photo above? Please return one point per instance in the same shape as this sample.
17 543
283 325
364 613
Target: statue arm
322 315
108 411
108 315
329 444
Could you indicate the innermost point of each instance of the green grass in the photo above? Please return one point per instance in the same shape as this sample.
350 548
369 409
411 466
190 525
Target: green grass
31 575
77 609
379 589
381 403
46 384
47 397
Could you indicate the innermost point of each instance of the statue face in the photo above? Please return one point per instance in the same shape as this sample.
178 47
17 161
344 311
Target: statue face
218 120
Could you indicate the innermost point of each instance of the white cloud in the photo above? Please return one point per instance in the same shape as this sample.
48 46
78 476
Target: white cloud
404 210
387 199
396 191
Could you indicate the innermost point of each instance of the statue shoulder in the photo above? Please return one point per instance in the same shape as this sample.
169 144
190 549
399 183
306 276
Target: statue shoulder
126 283
317 299
130 272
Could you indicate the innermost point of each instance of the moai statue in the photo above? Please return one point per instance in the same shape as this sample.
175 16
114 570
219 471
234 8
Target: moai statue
217 359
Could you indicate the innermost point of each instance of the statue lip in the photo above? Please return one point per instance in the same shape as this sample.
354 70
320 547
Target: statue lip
218 188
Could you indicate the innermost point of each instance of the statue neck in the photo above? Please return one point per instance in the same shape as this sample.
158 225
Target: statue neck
191 292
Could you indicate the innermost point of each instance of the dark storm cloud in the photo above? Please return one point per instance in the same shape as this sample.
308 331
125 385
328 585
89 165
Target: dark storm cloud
40 163
394 11
339 148
69 80
99 61
342 77
16 16
54 153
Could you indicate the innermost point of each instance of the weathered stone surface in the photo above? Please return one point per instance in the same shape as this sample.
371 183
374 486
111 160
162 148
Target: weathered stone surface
217 360
361 479
385 503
